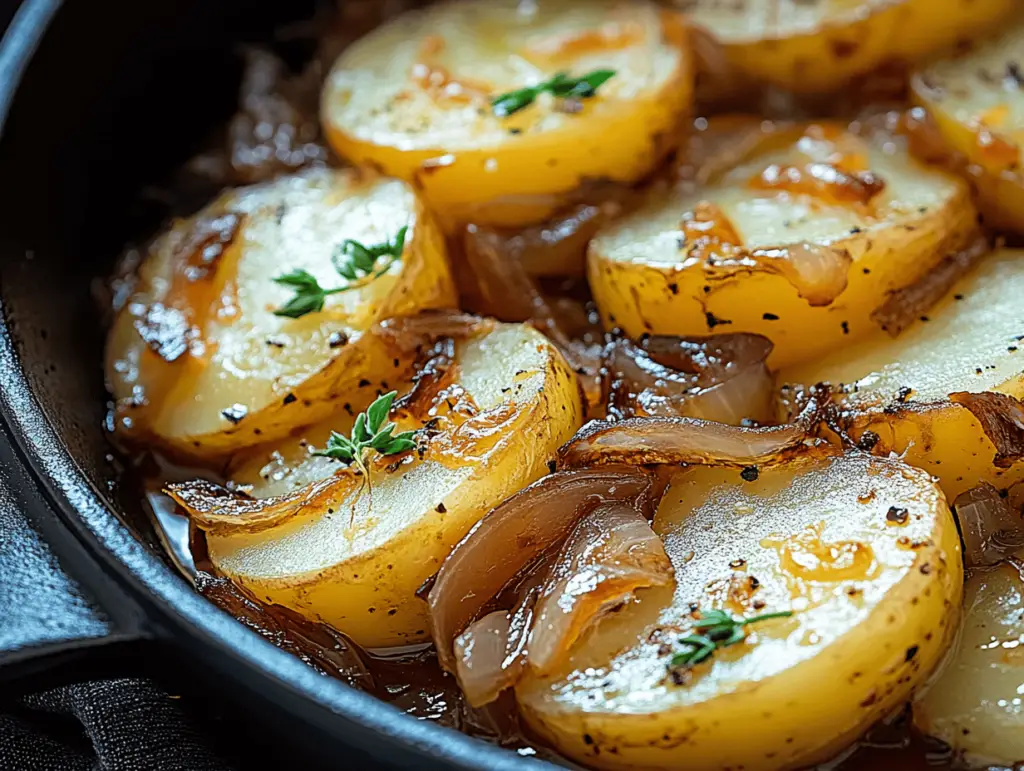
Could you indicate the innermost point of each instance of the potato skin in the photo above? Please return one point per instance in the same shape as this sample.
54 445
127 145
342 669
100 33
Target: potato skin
780 721
184 398
371 594
859 39
517 170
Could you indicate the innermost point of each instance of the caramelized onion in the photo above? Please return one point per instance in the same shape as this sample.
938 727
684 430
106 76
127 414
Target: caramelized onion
324 649
505 290
483 665
991 529
678 440
610 554
515 534
276 129
216 509
410 335
905 306
818 273
1002 419
722 378
557 247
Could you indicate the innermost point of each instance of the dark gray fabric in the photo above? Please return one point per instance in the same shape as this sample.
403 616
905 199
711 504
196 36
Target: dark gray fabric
107 725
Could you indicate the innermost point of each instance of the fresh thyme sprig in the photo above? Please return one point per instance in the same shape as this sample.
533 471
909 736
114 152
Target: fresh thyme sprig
561 85
720 630
371 433
356 262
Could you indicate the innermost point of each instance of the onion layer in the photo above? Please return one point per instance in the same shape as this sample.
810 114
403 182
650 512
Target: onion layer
513 535
219 510
410 335
483 665
722 378
679 440
610 554
991 529
905 306
1002 419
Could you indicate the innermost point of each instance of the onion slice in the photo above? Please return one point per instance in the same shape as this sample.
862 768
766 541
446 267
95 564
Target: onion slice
218 510
723 378
513 535
991 529
610 554
410 335
679 440
905 306
1002 419
483 665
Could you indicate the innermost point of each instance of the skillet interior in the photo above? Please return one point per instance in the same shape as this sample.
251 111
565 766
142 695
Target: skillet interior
113 100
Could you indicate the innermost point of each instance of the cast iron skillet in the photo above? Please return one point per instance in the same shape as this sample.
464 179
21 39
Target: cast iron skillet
96 100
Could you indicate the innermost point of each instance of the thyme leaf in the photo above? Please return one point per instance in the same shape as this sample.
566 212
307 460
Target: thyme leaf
718 630
356 262
561 85
370 434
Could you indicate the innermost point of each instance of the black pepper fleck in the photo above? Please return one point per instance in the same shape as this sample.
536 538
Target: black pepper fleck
897 515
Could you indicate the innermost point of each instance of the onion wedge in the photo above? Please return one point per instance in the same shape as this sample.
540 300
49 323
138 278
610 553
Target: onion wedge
512 536
679 440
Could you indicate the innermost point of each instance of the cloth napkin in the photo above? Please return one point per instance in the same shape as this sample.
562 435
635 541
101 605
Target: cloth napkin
107 725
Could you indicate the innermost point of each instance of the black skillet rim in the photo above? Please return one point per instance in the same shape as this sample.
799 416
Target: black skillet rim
171 604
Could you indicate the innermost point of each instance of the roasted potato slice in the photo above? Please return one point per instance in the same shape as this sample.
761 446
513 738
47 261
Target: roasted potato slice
898 388
354 555
862 550
416 98
795 233
977 103
819 46
975 704
199 362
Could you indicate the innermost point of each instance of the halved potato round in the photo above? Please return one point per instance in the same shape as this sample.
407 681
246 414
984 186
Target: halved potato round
198 361
414 98
862 550
354 557
976 705
977 102
898 388
818 46
797 236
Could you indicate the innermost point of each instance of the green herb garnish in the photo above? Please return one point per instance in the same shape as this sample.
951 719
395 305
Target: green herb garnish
372 433
561 85
369 434
356 262
720 630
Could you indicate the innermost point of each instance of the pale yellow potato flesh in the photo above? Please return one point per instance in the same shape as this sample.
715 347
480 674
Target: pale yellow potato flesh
874 602
271 373
414 98
971 342
976 705
819 46
977 103
355 563
645 279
